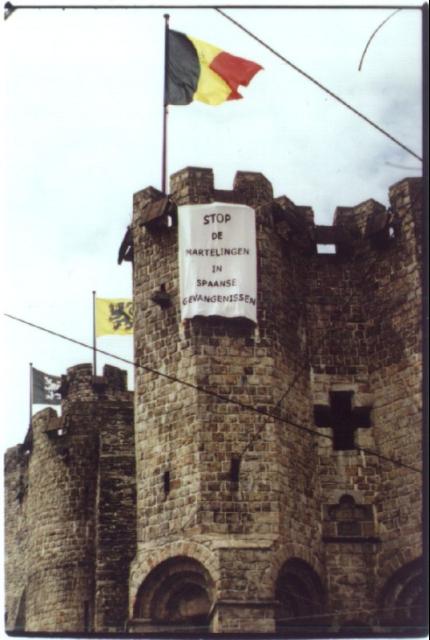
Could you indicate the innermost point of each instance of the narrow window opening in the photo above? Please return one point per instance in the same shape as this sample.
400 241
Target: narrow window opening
235 469
166 482
326 248
343 431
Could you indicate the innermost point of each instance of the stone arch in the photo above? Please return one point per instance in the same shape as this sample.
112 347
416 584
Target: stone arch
284 552
394 561
300 594
151 557
178 593
402 599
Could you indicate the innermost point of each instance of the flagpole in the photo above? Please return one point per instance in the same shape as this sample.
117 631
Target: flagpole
31 395
94 336
165 105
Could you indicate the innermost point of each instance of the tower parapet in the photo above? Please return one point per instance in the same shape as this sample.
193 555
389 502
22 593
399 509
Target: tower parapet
80 383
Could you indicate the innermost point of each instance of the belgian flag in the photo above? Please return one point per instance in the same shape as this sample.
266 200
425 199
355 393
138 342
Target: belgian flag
200 71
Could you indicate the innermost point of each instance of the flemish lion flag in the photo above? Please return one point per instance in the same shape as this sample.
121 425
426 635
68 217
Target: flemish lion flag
114 316
197 70
45 388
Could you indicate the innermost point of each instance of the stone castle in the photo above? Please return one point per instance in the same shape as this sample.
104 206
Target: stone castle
279 489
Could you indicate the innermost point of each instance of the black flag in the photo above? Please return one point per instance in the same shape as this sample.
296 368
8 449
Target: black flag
45 388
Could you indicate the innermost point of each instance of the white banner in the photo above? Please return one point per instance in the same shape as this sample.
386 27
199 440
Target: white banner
217 261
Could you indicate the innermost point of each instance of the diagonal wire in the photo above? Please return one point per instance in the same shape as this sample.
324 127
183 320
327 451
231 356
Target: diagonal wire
318 84
402 166
208 392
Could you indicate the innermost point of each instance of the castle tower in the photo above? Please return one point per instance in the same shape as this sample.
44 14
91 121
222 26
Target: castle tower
266 498
70 500
275 465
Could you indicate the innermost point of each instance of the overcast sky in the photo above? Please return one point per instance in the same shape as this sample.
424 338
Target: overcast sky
82 132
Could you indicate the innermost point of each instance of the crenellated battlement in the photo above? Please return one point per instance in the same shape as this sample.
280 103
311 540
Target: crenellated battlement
80 383
368 222
196 185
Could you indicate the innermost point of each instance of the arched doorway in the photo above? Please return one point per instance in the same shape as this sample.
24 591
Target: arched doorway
402 602
176 595
300 595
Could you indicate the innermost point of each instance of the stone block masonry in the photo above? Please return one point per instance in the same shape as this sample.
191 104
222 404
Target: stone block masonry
301 489
201 514
70 499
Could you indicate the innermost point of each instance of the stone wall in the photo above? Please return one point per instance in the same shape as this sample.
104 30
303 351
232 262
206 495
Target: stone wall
16 535
262 468
366 339
70 492
308 504
193 436
395 369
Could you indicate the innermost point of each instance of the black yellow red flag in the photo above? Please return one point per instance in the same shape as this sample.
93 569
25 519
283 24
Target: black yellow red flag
197 70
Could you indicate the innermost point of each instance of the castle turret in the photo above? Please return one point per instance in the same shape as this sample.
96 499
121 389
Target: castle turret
264 480
73 483
212 475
